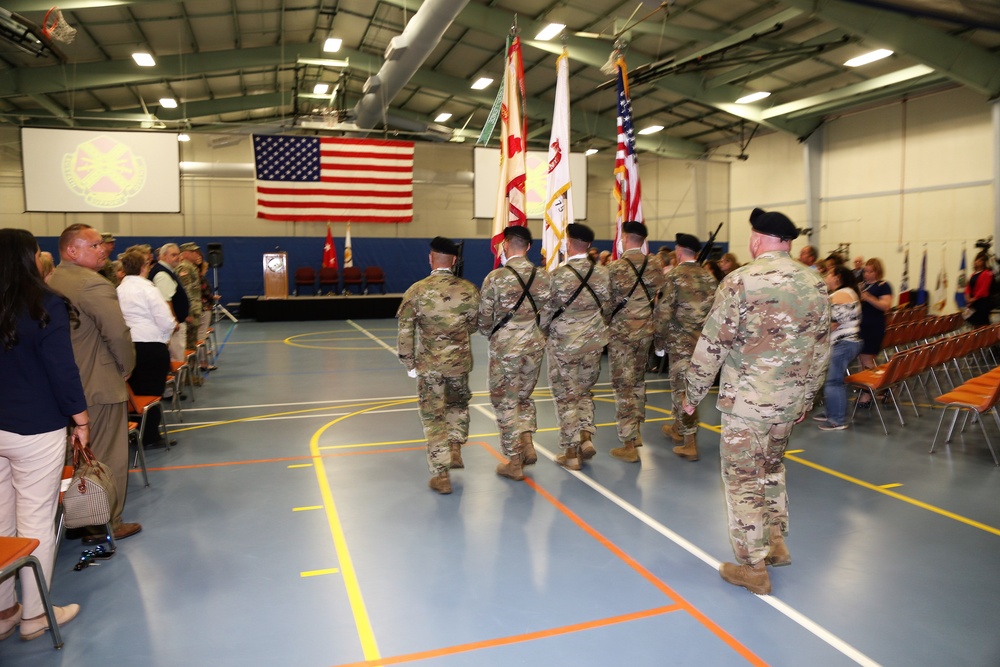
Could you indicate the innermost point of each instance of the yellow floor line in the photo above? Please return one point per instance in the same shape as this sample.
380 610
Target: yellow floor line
891 486
317 573
306 509
897 496
301 465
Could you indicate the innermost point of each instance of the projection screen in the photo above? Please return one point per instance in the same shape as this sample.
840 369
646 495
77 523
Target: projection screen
76 171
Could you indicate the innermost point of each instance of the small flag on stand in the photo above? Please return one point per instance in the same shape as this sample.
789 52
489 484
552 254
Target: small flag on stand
904 283
329 251
961 282
922 290
941 289
348 255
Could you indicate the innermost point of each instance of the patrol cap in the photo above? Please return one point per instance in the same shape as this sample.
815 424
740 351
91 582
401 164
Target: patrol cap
107 237
189 246
689 241
756 213
580 232
443 245
775 224
520 231
633 227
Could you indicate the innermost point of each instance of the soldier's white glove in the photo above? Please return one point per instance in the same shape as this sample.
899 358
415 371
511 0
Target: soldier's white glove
412 372
660 353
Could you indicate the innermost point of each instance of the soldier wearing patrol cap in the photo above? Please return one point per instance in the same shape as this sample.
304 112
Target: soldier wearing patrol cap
768 331
577 334
189 274
510 305
680 314
635 280
108 268
436 316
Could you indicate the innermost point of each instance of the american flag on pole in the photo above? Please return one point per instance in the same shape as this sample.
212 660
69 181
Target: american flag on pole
333 179
628 190
559 202
511 202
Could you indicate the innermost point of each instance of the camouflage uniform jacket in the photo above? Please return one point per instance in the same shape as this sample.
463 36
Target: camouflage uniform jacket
580 327
769 330
501 292
190 279
436 316
636 317
683 306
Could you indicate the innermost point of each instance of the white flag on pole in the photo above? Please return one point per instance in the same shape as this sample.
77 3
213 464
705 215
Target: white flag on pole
559 203
348 255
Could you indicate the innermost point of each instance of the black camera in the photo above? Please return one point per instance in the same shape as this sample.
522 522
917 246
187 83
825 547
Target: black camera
985 243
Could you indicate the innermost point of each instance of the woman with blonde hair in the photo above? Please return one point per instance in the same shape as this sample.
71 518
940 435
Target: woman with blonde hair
728 263
876 301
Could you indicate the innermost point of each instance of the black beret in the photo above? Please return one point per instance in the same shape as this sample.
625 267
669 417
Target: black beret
775 224
756 213
443 245
519 231
689 241
580 232
633 227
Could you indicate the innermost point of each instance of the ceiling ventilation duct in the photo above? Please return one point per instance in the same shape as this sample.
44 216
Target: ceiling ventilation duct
419 38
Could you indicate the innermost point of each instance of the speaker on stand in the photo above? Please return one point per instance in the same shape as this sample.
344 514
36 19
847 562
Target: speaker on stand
214 258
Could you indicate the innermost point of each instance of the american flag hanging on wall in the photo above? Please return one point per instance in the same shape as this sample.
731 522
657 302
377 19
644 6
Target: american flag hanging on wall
333 179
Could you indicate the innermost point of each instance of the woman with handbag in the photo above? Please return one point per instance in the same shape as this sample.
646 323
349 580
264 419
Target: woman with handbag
41 394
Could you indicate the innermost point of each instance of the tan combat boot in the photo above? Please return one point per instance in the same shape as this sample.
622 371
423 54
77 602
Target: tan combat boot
751 577
511 468
638 438
528 449
672 430
587 449
689 450
570 458
441 483
456 457
778 554
628 453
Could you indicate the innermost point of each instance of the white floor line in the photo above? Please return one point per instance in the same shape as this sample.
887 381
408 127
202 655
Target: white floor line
822 633
373 337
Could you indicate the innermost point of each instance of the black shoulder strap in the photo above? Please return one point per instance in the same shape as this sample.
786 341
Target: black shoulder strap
525 293
584 282
638 281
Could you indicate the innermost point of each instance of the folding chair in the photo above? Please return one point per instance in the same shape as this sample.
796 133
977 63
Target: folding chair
135 440
875 380
141 405
15 553
973 398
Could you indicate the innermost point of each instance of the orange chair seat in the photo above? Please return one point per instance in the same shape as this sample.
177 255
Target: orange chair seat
13 548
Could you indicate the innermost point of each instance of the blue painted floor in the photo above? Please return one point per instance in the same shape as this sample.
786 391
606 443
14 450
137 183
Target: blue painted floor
292 525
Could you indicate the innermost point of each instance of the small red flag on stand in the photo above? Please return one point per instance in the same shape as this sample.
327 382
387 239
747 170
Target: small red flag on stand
329 251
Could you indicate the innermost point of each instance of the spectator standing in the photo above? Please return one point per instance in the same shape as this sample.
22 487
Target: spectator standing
845 344
876 301
977 291
165 278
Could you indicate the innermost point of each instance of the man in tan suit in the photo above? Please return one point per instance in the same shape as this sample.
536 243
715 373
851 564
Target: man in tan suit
102 346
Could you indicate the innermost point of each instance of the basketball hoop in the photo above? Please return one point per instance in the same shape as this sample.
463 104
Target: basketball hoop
54 26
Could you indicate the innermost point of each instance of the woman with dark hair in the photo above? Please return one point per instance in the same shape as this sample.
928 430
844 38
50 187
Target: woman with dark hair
845 343
151 324
714 268
40 395
977 291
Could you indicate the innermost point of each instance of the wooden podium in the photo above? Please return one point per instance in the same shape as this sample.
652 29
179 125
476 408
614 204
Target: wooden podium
275 275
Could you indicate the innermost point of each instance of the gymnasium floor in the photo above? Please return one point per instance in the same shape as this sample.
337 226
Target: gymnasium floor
292 525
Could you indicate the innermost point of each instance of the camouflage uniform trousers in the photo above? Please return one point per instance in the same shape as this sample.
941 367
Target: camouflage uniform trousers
627 359
571 377
754 475
686 424
512 379
444 413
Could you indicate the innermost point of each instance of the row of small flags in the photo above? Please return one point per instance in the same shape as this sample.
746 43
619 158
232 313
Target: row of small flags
938 301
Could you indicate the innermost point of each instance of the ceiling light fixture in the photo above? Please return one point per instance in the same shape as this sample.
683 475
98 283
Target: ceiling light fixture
321 89
183 137
168 103
752 97
481 83
332 44
143 59
652 129
442 117
590 151
550 31
868 58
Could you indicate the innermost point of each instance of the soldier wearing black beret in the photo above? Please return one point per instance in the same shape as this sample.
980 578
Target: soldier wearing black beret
636 228
580 232
519 231
688 241
444 246
775 224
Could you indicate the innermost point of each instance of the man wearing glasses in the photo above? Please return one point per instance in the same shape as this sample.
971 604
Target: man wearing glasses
102 347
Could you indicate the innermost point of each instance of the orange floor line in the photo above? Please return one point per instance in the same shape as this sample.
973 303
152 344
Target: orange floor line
731 641
515 639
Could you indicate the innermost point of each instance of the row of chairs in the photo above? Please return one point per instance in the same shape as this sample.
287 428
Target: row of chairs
905 334
923 363
904 315
351 277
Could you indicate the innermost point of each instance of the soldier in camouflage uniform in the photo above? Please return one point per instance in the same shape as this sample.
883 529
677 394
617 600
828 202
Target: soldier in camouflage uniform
108 269
510 306
680 313
189 274
635 280
769 332
577 335
436 316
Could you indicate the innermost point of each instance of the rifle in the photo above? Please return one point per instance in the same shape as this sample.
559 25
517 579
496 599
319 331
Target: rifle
707 248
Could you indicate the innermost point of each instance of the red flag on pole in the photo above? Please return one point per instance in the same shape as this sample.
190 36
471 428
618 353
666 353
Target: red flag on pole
329 251
511 204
